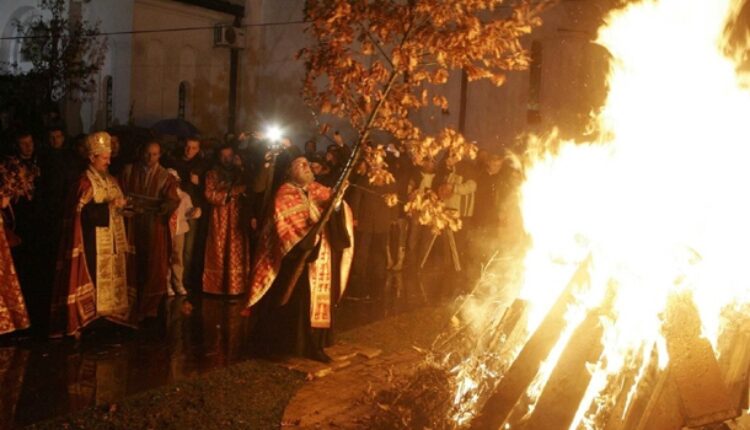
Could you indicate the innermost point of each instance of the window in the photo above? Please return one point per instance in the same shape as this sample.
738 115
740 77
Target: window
182 100
12 45
108 101
533 115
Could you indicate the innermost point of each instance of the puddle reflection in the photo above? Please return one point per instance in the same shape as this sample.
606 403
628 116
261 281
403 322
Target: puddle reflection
13 362
44 379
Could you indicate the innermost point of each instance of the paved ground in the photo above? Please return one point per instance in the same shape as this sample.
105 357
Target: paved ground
343 399
253 394
43 379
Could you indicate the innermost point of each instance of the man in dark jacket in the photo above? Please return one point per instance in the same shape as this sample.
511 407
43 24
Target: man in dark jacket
373 218
27 226
58 173
496 209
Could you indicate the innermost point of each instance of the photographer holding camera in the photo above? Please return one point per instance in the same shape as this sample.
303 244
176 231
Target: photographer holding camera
261 150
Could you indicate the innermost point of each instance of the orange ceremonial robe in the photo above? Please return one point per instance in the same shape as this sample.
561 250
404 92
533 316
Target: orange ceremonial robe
13 314
296 211
227 260
149 233
91 277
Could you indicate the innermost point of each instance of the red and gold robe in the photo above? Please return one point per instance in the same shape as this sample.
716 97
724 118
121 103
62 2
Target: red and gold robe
227 259
296 211
13 314
82 293
149 233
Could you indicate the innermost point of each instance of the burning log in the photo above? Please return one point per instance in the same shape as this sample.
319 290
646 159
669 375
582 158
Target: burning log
735 366
501 338
693 366
663 410
627 412
526 366
607 412
511 327
568 382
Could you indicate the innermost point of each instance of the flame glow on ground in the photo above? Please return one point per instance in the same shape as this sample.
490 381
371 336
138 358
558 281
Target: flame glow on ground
660 200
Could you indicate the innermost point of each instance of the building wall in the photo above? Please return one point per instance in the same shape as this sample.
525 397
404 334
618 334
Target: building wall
147 69
114 16
571 84
10 12
160 61
270 81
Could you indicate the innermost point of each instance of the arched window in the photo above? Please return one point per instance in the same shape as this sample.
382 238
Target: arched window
182 100
533 115
11 45
108 100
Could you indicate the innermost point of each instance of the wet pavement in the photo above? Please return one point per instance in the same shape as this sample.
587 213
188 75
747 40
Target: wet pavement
42 379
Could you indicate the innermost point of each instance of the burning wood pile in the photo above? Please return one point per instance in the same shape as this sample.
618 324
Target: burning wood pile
694 389
548 379
630 309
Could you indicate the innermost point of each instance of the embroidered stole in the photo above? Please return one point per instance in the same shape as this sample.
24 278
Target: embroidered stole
112 299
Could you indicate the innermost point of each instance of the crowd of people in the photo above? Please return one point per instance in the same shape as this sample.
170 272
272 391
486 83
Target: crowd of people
88 234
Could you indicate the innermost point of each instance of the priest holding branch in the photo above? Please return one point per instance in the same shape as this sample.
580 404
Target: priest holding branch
297 316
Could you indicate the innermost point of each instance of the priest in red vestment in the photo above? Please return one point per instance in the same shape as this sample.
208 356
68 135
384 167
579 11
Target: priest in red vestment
13 314
91 278
152 192
301 325
227 258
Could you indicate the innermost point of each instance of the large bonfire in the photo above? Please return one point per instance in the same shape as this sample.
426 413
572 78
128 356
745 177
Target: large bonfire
651 221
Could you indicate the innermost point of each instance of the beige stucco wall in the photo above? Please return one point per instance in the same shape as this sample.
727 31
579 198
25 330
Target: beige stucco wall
571 84
572 81
147 69
162 60
113 16
271 76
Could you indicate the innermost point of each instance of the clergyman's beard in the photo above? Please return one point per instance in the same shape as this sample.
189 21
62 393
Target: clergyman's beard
304 179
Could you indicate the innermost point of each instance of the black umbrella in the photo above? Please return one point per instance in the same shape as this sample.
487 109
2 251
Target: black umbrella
175 127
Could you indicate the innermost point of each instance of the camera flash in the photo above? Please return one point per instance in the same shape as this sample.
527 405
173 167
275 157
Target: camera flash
273 133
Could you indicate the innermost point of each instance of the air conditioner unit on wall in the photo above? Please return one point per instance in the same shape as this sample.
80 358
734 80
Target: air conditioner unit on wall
228 36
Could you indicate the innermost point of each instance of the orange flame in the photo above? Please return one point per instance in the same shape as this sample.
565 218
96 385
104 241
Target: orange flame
659 198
